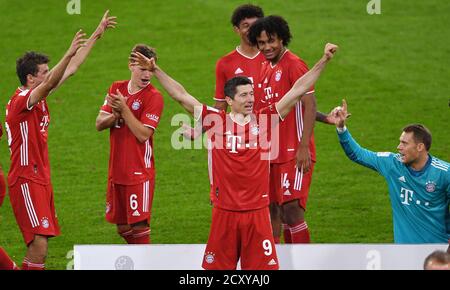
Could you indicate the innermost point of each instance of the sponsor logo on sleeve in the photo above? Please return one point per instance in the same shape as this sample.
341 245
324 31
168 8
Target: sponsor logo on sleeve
152 117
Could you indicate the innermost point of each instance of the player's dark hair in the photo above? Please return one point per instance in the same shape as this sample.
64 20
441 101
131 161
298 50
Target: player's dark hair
246 11
273 25
437 256
28 65
145 50
231 85
421 134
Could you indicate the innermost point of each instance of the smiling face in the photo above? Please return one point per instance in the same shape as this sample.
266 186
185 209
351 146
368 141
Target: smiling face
409 149
243 100
270 45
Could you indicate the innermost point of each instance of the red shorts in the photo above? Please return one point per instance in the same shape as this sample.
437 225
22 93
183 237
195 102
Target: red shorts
34 208
287 183
129 204
246 235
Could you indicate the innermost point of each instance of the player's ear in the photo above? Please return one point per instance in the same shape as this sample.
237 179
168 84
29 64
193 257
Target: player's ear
420 147
236 29
228 100
30 78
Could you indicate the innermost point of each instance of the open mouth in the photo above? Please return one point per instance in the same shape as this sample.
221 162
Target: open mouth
145 81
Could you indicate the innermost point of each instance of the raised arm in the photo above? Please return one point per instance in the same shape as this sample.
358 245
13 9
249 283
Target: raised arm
106 22
303 84
173 88
54 76
355 152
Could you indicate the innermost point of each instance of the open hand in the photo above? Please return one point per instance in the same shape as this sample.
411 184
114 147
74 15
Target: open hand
106 22
141 60
78 41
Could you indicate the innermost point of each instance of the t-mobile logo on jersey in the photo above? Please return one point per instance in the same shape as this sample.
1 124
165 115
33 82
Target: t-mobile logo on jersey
407 195
44 123
233 142
267 94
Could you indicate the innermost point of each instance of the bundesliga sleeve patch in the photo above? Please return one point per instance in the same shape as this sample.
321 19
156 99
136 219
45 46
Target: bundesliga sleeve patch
383 154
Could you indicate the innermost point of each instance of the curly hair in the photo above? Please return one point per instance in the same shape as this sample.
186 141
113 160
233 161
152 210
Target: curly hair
272 25
246 11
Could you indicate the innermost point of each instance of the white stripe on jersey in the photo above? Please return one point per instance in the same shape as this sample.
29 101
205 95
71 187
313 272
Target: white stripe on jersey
24 146
148 154
438 164
210 162
24 93
147 200
212 109
299 120
29 205
144 195
298 179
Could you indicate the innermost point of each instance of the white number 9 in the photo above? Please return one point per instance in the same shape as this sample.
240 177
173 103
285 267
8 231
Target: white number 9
267 246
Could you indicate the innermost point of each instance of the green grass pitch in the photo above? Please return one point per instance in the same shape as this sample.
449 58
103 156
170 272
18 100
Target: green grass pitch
392 68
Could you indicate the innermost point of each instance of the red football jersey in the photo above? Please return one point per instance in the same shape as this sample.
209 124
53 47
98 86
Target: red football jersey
132 162
27 138
239 158
237 64
276 81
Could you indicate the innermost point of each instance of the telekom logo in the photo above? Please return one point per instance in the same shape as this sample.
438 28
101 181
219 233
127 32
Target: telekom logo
233 141
268 93
407 195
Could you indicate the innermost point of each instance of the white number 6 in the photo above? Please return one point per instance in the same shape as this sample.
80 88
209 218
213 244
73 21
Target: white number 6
133 202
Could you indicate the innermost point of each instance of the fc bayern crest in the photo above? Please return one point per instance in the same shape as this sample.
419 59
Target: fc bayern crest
136 105
254 130
45 223
430 186
209 257
278 75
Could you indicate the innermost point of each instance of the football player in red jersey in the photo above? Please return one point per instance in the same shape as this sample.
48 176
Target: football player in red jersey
244 60
291 171
131 111
27 121
6 263
2 177
241 227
